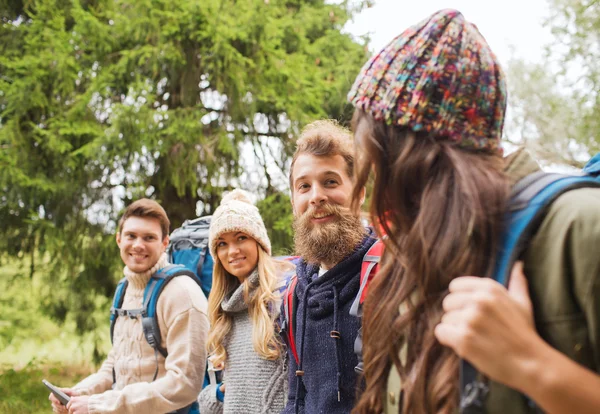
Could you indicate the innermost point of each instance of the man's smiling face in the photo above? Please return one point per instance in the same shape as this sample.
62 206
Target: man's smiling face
141 243
320 180
326 229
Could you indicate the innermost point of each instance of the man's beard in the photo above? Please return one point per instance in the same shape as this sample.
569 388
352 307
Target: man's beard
329 242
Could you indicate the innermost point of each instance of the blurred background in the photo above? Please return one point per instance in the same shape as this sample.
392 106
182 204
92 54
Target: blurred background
106 101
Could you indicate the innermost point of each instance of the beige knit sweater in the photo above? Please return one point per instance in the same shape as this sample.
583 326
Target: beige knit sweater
182 317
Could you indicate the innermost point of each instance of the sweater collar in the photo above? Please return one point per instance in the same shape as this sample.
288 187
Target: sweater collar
140 280
234 301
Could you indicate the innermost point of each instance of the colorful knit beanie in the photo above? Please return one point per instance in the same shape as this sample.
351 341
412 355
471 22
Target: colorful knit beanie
439 77
237 213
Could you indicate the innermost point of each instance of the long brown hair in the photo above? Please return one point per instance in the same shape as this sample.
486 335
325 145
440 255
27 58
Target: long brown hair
441 208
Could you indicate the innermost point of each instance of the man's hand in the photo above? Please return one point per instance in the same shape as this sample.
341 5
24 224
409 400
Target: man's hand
57 407
490 326
78 405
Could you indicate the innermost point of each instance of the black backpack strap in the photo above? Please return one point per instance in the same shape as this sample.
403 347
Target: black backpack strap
358 346
474 389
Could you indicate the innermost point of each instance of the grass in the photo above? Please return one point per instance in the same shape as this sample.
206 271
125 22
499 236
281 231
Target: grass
63 349
23 392
35 347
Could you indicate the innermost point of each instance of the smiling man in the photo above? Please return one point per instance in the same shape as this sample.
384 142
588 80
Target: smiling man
135 378
331 240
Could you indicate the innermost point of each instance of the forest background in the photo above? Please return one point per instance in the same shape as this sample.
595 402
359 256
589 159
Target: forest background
106 101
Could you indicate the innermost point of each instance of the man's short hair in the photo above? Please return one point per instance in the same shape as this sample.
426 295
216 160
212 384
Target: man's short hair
325 138
147 208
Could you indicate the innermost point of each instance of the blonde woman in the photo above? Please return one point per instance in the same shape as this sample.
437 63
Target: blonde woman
243 307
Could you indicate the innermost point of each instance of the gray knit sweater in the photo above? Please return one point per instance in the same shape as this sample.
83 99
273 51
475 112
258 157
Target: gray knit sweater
253 384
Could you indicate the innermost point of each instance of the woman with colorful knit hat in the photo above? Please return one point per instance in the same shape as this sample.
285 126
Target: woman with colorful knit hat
428 122
243 307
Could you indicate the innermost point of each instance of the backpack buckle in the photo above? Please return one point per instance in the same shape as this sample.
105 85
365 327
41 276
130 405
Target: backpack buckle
134 313
359 369
335 334
474 397
151 340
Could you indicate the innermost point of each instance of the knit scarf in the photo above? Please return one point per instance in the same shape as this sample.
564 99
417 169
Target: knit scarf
139 281
234 301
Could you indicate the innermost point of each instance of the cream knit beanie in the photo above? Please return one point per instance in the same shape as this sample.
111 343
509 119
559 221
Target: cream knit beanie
237 213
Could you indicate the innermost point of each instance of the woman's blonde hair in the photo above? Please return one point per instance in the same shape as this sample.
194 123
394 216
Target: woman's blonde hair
260 307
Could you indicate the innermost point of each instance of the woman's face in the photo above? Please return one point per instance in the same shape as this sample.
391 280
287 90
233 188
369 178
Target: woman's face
238 253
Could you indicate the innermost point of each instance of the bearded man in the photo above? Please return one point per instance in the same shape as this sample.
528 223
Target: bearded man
331 241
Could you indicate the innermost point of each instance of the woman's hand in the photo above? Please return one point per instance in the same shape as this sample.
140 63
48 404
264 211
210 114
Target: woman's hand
490 326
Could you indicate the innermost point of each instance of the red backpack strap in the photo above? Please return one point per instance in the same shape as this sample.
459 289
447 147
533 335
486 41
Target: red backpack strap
369 268
290 305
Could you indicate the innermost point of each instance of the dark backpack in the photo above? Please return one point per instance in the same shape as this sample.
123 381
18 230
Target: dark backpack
529 202
188 246
150 326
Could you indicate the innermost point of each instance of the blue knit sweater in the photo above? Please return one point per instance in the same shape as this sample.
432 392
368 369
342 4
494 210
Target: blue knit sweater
329 383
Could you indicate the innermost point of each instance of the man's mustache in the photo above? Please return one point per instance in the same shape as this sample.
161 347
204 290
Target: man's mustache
327 209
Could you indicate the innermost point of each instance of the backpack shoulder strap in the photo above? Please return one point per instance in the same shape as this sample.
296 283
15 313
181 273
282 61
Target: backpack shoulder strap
274 307
285 281
369 268
115 309
154 288
529 202
290 305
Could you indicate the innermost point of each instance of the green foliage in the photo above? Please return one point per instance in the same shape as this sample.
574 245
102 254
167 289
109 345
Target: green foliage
544 118
576 27
104 101
19 313
556 102
27 331
276 211
23 392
